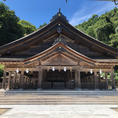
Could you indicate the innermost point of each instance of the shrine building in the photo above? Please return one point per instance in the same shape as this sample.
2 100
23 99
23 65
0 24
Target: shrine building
58 56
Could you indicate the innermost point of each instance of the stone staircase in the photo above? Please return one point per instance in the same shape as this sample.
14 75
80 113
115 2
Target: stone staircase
66 97
61 92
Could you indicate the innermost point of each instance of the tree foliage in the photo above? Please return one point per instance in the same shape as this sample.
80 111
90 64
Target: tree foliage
103 28
27 26
41 26
11 28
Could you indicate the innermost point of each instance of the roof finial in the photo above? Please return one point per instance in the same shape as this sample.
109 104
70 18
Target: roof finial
58 15
59 10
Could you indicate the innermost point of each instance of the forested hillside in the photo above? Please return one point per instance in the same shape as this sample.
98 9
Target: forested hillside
103 28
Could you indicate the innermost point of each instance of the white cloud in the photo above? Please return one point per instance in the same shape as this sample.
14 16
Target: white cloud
87 11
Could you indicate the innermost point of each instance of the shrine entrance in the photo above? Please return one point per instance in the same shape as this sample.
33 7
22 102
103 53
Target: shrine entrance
87 80
58 79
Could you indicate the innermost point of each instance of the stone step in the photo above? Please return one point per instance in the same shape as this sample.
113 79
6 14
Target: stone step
58 97
53 103
42 92
22 100
55 99
34 99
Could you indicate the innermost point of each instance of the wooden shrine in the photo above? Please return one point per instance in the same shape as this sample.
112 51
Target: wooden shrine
58 56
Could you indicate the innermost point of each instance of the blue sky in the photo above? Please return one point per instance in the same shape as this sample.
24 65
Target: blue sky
39 11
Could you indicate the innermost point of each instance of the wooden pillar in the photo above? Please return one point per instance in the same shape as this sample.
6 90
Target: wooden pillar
4 80
112 79
96 80
77 79
21 79
106 80
99 80
9 79
40 77
14 79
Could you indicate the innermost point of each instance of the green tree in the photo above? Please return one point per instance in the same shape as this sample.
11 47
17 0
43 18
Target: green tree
44 24
114 40
103 28
28 27
87 26
103 32
90 31
10 29
1 70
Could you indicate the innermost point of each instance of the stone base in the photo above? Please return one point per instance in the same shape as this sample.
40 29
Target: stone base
2 92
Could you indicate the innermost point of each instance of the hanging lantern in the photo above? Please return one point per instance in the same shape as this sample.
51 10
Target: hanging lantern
65 69
91 71
17 70
48 69
53 68
27 70
100 71
12 74
70 69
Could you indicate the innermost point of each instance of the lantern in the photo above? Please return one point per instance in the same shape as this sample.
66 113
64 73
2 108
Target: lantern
17 70
53 68
65 69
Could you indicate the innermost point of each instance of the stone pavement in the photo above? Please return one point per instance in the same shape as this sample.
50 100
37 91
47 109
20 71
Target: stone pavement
60 111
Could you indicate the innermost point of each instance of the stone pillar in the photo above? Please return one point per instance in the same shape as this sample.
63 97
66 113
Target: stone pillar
40 77
96 80
112 79
106 80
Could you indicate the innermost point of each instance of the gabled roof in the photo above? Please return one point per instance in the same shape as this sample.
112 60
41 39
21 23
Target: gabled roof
62 52
60 47
58 25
